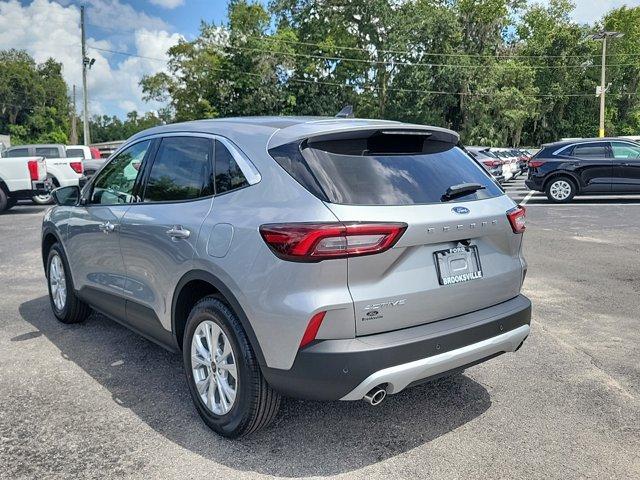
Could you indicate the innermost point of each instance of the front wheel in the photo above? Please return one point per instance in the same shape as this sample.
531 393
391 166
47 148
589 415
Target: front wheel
561 190
66 305
47 198
224 378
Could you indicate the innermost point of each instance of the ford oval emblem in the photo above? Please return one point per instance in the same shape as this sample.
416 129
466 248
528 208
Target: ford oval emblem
460 210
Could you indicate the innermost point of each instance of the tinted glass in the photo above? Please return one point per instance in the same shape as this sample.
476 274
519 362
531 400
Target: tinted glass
18 152
401 179
228 174
625 150
116 181
75 153
180 171
47 152
590 150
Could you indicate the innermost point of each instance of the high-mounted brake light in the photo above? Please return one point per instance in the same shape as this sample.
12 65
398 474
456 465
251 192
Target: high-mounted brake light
313 242
34 170
76 166
536 163
517 217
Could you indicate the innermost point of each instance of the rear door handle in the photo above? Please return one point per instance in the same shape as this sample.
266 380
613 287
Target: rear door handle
107 227
176 232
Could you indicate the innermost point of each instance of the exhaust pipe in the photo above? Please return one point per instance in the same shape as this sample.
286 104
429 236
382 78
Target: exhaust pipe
375 396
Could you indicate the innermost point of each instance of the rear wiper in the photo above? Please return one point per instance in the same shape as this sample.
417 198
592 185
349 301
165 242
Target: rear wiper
461 189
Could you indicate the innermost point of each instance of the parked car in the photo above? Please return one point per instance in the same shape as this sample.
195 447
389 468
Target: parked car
588 166
489 160
509 163
61 171
90 156
231 241
21 178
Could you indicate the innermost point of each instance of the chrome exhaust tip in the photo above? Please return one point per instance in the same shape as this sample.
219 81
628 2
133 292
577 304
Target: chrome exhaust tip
375 396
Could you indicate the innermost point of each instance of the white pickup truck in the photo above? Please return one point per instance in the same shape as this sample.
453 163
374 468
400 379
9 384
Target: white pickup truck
21 178
61 171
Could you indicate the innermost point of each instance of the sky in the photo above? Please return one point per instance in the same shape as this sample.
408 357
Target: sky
51 28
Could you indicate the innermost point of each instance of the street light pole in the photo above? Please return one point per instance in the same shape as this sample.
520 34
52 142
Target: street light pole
603 35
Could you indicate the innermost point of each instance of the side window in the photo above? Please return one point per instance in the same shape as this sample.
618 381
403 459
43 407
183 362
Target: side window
17 152
590 150
47 152
180 171
116 181
228 173
623 150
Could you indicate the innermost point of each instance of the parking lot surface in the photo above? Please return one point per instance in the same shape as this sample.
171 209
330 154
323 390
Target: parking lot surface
96 401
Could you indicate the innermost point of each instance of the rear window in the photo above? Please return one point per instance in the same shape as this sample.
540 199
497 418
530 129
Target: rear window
47 152
75 153
390 172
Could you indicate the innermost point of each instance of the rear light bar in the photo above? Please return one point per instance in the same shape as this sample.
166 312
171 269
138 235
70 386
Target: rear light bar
536 163
517 219
76 166
34 170
313 242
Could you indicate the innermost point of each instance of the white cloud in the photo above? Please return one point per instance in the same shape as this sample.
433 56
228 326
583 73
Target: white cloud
113 80
169 4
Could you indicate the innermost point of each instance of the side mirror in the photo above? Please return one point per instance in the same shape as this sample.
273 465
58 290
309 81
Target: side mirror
67 196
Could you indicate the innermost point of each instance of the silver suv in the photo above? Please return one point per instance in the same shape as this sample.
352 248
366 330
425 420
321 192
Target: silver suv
327 259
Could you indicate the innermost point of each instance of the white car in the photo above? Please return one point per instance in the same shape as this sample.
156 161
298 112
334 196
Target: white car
510 167
61 171
21 178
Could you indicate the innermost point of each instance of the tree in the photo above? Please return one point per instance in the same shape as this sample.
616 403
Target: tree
34 106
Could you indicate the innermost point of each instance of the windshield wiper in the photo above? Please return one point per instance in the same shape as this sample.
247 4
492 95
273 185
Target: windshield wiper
461 189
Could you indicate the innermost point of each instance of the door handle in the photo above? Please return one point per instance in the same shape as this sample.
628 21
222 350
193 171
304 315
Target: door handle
107 227
177 232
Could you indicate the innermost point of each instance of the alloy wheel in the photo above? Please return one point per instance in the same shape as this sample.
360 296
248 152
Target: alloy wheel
214 367
560 190
57 282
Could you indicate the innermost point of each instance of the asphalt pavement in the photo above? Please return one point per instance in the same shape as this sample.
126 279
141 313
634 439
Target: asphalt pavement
97 401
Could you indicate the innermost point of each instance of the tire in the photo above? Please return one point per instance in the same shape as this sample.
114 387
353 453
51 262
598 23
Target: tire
255 403
561 189
4 201
46 199
70 309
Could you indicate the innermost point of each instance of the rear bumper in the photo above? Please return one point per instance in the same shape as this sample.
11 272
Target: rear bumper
348 369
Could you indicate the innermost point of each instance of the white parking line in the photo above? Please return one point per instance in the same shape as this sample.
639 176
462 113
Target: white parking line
526 199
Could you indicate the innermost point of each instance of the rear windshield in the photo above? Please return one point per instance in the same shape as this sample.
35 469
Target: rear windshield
362 176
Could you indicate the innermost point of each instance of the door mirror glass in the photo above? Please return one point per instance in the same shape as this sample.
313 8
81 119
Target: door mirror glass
67 196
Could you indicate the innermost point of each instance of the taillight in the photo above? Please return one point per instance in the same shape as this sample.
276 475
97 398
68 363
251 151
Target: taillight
34 172
517 217
313 242
536 163
492 163
76 166
95 153
312 329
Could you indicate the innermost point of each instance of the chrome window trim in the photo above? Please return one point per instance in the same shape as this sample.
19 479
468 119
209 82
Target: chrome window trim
562 149
249 170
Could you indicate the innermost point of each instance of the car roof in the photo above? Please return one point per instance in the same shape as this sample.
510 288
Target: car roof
279 130
576 141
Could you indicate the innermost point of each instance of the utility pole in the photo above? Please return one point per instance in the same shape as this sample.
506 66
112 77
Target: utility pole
603 35
74 129
86 63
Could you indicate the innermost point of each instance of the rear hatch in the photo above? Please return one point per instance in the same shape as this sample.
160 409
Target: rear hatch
458 253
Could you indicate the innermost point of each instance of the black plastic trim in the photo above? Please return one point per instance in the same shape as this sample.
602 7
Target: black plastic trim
330 369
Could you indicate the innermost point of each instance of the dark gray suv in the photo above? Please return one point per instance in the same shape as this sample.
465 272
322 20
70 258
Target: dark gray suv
329 259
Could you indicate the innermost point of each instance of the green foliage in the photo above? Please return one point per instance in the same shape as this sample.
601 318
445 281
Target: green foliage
105 128
34 106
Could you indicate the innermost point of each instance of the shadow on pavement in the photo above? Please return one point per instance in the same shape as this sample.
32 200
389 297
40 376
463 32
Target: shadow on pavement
345 435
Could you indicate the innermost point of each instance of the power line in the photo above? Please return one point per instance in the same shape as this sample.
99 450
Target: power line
368 87
438 54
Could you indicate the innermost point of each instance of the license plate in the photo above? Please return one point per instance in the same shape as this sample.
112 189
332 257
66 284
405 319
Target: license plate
458 264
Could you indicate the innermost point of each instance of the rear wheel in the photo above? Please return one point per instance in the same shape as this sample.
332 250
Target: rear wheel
4 201
45 199
66 305
224 378
561 190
